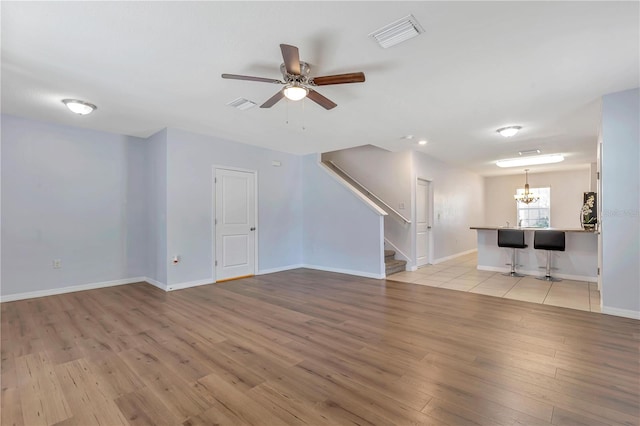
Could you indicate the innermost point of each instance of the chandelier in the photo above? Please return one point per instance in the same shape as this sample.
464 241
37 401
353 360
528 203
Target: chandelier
526 197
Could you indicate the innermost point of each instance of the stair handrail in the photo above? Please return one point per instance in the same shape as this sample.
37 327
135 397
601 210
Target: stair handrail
369 193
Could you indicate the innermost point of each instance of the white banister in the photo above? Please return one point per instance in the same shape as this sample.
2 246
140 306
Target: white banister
354 182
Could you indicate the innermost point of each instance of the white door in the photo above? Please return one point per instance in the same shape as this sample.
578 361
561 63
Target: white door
422 222
235 224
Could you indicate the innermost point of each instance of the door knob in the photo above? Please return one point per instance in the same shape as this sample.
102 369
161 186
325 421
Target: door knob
253 228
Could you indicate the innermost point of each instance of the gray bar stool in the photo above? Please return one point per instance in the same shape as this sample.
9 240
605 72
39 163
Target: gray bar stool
513 239
549 241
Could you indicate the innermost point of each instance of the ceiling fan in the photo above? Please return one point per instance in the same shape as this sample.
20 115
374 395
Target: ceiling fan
298 84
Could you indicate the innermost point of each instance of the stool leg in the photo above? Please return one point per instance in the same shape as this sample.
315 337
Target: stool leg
513 272
547 275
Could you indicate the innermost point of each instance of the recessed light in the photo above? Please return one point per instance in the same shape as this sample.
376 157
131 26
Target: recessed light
79 107
422 142
509 131
530 161
409 137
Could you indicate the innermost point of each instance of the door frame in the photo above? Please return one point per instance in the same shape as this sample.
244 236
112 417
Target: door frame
429 219
212 216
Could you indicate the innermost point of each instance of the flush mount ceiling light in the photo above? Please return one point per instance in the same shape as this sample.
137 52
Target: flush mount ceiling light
509 131
79 107
295 92
397 32
530 161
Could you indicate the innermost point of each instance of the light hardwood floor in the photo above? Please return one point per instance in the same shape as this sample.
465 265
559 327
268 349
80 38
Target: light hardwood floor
316 348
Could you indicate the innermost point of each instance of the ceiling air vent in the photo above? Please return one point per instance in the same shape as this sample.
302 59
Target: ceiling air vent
242 103
397 32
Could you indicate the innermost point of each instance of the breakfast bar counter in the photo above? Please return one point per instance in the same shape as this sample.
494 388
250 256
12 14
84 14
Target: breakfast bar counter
578 262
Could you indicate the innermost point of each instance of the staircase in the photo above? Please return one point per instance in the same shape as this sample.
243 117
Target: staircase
391 264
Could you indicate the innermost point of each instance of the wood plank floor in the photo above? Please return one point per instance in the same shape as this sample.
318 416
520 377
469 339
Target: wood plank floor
317 348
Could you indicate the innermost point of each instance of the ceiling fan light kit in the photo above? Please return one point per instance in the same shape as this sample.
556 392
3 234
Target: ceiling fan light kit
298 84
295 92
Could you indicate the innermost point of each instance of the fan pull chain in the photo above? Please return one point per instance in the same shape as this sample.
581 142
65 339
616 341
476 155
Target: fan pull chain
287 113
304 102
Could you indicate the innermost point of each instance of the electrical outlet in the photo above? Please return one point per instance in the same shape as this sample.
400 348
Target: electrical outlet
401 206
57 263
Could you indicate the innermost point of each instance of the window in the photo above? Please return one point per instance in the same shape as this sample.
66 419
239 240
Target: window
536 214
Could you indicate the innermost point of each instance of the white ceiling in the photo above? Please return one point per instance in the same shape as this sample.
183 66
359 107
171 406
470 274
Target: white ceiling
478 66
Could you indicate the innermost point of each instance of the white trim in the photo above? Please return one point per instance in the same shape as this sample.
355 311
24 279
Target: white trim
345 271
373 206
279 269
414 239
70 289
453 256
628 313
181 286
397 250
537 273
155 283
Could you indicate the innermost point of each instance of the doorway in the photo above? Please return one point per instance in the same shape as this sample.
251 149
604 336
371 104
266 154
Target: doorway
423 222
234 224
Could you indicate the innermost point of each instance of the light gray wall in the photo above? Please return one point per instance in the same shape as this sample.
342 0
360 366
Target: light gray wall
191 158
64 196
387 175
156 184
566 196
458 203
620 221
137 209
341 232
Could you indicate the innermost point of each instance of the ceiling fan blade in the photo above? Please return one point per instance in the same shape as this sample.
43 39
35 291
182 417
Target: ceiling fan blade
273 100
249 78
325 103
354 77
291 58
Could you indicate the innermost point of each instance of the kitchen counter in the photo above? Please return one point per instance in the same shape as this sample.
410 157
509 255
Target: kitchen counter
494 228
578 262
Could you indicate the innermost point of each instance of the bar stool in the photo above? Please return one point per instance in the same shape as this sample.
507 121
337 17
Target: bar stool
549 241
513 239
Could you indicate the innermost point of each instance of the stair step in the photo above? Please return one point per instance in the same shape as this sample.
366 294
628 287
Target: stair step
389 254
394 265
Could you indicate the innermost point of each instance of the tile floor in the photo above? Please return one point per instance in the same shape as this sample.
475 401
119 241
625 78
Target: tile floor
461 274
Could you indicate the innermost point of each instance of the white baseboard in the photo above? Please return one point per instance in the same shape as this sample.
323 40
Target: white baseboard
538 273
181 286
70 289
345 271
627 313
453 256
279 269
155 283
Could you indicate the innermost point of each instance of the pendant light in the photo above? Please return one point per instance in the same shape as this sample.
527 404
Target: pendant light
526 197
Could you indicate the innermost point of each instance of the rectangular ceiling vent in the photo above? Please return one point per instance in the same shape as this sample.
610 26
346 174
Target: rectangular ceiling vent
397 32
242 103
